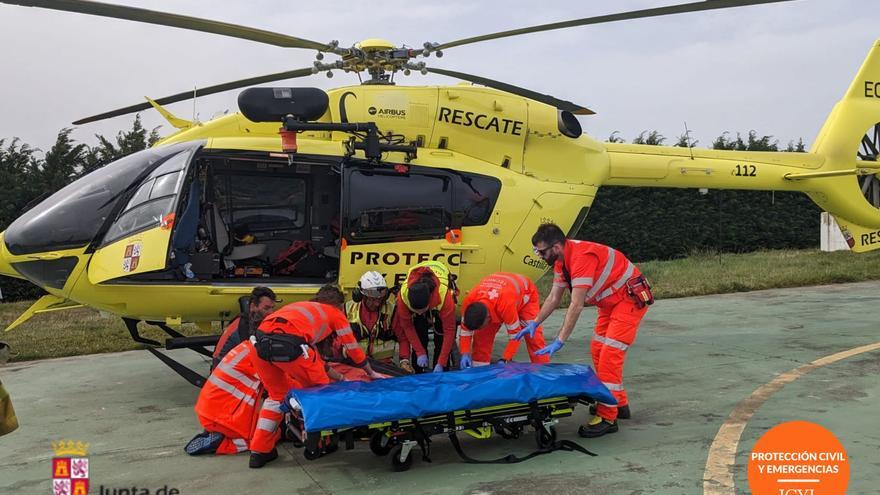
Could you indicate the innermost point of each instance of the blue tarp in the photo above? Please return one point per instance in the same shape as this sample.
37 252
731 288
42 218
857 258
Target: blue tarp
350 404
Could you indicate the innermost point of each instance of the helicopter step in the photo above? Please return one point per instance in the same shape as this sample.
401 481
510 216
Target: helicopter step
177 341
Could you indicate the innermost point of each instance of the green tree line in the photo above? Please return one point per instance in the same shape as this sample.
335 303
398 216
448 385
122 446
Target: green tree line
651 223
28 175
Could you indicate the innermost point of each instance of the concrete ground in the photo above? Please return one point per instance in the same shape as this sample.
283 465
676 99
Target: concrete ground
695 360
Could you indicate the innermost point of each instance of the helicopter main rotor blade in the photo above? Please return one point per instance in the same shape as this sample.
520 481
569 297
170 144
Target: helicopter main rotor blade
550 100
172 20
623 16
219 88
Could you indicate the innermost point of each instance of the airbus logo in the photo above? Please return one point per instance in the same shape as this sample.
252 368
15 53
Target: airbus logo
388 113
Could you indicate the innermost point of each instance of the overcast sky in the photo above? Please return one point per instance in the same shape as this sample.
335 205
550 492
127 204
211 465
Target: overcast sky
777 69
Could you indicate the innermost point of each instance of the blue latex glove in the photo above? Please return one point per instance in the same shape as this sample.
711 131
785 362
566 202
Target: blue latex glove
422 361
438 368
466 361
528 330
551 348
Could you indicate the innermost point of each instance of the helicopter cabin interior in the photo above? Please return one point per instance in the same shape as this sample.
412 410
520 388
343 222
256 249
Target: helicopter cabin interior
186 214
239 216
235 216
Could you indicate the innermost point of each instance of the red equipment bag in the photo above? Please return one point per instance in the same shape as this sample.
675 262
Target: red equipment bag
286 261
640 290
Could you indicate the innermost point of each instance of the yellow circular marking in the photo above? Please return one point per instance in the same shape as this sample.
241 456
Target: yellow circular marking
718 475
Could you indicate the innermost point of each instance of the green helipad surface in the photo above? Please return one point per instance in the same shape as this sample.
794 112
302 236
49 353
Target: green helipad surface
694 361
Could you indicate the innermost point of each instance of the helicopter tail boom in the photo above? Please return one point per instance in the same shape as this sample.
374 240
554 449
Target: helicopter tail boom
839 173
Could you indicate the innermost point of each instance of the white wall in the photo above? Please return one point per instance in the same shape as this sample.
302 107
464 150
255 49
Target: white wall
830 237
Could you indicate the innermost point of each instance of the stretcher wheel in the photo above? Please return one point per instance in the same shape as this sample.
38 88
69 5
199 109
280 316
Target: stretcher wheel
545 437
311 454
396 463
380 444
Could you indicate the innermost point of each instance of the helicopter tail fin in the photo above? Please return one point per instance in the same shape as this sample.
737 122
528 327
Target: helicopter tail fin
847 184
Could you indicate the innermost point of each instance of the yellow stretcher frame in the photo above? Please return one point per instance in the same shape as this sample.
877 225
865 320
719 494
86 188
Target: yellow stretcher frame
397 438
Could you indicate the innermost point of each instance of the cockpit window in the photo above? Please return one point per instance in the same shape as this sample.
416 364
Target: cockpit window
139 218
153 200
72 217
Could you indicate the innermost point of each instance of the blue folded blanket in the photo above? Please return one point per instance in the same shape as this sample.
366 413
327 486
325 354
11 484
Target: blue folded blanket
350 404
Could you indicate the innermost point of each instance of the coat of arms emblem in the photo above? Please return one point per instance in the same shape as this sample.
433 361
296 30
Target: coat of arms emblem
131 257
70 468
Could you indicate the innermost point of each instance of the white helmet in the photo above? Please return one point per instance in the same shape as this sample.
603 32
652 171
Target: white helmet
372 284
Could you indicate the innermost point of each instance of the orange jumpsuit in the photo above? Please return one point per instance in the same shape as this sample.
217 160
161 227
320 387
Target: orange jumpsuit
512 300
604 272
313 322
228 401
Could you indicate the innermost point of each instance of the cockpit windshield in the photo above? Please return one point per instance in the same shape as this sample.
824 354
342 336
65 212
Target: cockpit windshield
72 216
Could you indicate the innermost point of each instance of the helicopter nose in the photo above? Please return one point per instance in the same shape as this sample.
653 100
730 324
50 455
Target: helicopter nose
5 268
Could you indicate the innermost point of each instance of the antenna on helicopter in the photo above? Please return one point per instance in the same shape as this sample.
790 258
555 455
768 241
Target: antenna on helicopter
687 137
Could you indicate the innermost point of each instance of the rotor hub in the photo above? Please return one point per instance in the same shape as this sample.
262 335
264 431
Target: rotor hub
377 57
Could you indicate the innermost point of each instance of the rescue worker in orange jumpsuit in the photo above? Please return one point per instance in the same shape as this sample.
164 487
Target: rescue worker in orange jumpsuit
261 302
427 298
228 404
600 275
309 323
508 299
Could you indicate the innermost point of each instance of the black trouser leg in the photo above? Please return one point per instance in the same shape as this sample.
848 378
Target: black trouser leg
420 322
438 342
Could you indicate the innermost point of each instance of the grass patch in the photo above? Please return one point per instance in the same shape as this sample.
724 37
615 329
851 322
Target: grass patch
85 331
73 332
711 273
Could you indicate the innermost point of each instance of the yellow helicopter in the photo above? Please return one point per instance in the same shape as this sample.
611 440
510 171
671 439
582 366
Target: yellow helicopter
303 187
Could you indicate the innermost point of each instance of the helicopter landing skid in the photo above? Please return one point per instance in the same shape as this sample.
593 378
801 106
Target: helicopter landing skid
187 374
177 341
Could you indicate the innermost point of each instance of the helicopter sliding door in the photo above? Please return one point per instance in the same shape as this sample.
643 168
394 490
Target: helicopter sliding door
138 240
394 220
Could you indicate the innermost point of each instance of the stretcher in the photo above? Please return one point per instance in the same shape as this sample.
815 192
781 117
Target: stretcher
399 414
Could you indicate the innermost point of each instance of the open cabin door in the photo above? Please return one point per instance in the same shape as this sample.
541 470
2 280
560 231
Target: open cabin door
139 238
392 221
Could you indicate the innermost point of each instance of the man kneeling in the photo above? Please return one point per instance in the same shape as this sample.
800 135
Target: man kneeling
228 404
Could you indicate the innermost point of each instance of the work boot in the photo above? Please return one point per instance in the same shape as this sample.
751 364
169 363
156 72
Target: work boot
204 443
259 460
597 427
